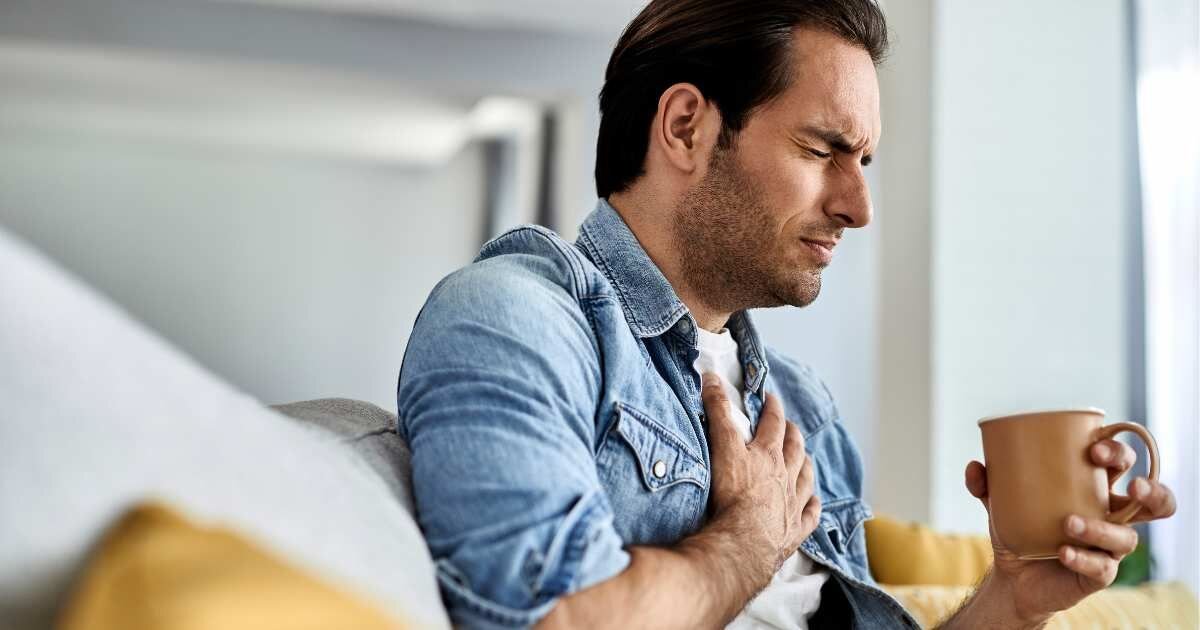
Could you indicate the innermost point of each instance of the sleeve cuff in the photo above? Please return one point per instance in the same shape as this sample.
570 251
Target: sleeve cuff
584 551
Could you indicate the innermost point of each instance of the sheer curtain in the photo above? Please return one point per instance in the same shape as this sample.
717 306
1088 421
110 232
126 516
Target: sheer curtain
1168 103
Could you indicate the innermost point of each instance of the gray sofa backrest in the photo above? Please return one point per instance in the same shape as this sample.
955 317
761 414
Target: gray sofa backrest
368 430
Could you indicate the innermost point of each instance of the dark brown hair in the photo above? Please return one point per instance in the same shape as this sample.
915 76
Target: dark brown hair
734 51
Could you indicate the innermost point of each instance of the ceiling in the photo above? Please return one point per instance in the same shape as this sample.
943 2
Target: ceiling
604 17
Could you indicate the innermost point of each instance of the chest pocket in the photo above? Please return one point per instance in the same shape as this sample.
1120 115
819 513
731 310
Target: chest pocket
663 458
657 482
842 538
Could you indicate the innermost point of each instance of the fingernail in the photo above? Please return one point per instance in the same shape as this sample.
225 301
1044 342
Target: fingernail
1074 525
1069 554
708 379
1103 451
1140 487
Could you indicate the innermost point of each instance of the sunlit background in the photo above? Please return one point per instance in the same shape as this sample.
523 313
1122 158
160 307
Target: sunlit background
275 186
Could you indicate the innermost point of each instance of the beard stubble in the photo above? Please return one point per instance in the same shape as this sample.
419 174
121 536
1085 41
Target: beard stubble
729 245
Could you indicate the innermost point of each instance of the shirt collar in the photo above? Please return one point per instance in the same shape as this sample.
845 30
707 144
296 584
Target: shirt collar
750 349
650 303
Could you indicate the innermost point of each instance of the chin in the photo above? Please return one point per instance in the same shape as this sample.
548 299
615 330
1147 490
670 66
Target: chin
803 289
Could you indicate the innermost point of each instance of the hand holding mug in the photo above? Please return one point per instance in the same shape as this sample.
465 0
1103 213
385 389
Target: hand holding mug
1047 490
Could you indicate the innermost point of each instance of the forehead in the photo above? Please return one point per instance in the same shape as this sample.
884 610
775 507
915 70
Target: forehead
833 85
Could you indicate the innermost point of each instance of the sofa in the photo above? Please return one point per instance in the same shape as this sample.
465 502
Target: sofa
100 414
112 441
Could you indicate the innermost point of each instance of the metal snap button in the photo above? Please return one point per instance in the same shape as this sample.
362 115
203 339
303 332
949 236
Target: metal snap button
660 469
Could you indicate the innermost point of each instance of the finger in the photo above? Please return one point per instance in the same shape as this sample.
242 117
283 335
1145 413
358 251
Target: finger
806 479
793 450
811 515
1118 502
976 478
770 431
1117 457
1157 500
1096 566
723 437
1118 540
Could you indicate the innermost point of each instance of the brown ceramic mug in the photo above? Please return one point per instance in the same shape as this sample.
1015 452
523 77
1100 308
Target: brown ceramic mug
1039 471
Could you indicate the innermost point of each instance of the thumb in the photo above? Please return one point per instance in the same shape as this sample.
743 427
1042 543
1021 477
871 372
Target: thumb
976 481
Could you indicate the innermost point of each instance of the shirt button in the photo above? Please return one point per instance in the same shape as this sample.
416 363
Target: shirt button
751 371
660 469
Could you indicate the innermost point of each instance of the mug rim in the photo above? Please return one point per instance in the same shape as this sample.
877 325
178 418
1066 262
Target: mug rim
1037 412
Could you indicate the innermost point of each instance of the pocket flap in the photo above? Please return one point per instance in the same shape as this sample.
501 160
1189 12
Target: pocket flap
664 458
841 519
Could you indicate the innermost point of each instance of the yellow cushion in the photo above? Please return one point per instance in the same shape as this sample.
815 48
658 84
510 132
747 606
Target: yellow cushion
154 569
1162 606
931 574
909 553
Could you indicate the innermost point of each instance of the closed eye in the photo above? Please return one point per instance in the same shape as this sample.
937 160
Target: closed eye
820 154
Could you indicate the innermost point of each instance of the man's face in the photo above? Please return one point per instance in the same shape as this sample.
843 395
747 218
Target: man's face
761 225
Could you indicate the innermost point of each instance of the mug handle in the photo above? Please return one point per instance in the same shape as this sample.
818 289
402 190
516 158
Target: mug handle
1126 514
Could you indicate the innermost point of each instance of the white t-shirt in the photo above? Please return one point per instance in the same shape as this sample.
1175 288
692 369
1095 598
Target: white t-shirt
795 591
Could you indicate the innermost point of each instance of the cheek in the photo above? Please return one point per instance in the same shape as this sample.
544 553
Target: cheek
795 200
785 187
792 182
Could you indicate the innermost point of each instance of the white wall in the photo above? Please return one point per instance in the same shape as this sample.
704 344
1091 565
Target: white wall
1032 211
902 471
292 278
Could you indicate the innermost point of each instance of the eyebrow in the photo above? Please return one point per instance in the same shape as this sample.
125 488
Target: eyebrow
836 140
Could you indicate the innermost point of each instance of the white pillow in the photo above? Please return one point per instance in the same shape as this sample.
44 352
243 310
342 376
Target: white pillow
96 412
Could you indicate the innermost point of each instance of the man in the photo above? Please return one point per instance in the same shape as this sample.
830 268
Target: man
566 472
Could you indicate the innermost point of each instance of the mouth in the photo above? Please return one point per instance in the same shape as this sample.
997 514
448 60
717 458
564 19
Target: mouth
821 249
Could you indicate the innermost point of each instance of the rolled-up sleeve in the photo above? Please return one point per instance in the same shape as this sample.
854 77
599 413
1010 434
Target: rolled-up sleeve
496 400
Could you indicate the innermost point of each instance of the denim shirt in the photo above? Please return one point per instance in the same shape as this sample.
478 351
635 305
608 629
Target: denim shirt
548 396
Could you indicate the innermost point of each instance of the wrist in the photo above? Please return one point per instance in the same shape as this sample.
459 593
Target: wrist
745 546
996 603
728 563
1005 589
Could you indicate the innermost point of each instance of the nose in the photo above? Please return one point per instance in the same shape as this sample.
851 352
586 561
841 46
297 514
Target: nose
850 200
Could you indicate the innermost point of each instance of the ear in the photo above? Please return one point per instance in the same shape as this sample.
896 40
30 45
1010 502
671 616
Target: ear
685 127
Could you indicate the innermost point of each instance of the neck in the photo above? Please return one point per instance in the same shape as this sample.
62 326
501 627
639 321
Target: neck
649 217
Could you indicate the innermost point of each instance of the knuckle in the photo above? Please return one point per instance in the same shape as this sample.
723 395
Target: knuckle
1161 504
1163 495
1091 565
1131 541
806 472
810 466
1108 571
1118 539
